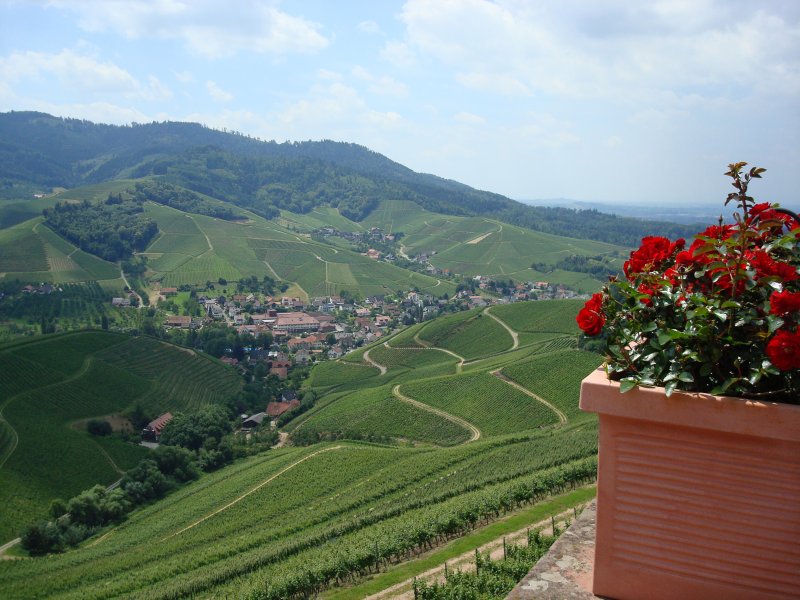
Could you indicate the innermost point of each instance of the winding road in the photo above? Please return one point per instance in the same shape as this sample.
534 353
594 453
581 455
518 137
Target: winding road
476 433
514 335
561 416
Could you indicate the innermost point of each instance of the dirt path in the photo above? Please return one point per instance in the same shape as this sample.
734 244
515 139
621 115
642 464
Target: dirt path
109 459
561 416
139 304
465 562
255 489
283 437
369 361
208 240
426 346
476 433
514 335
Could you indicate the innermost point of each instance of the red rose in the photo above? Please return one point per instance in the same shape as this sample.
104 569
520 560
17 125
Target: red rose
784 303
653 251
591 318
765 212
766 266
783 350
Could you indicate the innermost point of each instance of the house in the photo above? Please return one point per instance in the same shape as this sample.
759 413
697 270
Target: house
289 395
253 421
373 254
276 409
279 372
295 322
302 356
169 291
229 360
335 352
382 320
120 302
153 430
183 322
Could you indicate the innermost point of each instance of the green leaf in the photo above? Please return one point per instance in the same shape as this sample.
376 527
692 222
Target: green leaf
686 377
664 338
669 387
626 385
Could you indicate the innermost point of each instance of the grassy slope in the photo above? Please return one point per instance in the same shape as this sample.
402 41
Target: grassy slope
271 515
436 378
57 380
498 250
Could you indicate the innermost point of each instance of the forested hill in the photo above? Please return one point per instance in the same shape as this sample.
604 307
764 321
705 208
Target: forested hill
41 151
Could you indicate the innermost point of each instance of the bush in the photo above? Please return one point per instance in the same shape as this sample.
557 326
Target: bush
99 427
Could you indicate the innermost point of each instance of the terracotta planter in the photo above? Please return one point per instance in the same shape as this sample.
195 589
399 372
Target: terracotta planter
698 495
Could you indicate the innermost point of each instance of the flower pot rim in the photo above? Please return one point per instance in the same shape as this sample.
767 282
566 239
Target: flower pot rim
697 410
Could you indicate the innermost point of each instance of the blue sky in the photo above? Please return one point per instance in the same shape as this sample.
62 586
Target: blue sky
617 101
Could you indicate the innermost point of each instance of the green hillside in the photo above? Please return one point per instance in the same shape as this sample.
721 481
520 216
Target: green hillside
463 371
41 152
29 251
470 440
282 524
55 381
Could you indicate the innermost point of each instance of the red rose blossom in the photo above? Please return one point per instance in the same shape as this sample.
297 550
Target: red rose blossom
653 251
591 318
784 303
783 350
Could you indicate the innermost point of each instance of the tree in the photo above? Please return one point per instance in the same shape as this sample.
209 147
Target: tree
99 427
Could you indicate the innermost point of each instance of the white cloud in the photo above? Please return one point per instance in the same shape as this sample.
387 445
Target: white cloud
79 72
217 93
382 85
184 77
369 27
469 118
206 27
622 51
398 54
497 83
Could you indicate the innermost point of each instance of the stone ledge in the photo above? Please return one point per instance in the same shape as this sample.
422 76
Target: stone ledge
565 572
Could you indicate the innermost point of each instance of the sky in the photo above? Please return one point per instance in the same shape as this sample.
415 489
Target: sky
613 101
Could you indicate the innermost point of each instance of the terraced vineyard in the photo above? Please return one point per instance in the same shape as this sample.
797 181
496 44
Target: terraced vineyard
286 523
473 393
54 381
492 405
293 521
551 376
469 334
30 251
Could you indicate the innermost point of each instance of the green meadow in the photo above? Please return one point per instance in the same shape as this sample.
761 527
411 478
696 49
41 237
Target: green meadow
49 383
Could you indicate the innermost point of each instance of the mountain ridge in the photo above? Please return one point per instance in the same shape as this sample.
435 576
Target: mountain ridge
265 176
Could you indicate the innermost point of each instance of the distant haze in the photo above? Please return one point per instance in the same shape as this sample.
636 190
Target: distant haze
676 212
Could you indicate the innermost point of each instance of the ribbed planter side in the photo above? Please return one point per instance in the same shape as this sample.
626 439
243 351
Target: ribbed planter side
698 495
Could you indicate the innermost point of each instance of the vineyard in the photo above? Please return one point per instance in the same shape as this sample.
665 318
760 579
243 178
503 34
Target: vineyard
470 334
487 402
294 521
57 380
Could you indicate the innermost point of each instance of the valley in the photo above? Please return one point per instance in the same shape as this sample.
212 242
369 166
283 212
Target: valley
431 405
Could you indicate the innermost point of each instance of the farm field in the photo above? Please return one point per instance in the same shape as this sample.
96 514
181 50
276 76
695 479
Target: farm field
30 251
485 401
470 334
480 246
460 371
56 380
269 525
265 527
